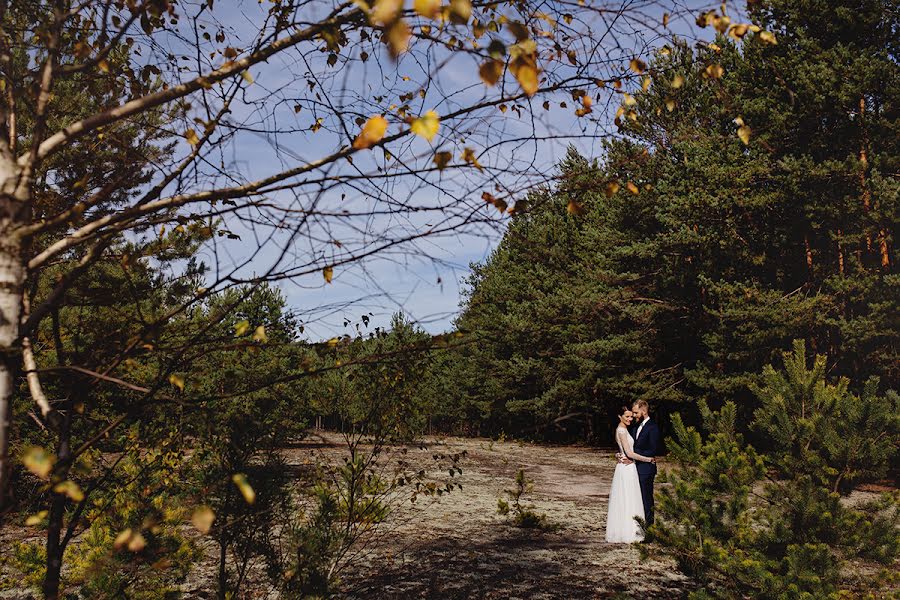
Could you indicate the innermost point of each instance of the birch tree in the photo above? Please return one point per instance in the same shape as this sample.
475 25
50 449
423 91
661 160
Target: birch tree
319 133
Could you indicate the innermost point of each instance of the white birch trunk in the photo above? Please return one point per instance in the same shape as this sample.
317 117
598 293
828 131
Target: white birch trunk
12 279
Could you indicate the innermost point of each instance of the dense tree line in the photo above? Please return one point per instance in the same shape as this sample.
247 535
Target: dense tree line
752 200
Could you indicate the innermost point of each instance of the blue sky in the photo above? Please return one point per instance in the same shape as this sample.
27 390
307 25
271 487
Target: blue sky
423 279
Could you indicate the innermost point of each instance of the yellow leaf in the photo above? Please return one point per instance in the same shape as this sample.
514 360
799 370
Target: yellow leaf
427 8
137 543
468 155
611 189
36 518
442 159
203 518
721 23
574 208
427 125
259 335
371 132
665 19
241 327
460 11
645 83
491 71
397 37
38 461
768 37
714 71
177 381
739 31
246 76
70 489
628 100
632 188
677 82
122 538
385 12
527 75
637 65
744 132
103 66
191 136
240 480
328 273
670 104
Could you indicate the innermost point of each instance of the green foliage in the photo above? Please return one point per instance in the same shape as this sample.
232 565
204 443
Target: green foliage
769 522
721 253
839 437
523 515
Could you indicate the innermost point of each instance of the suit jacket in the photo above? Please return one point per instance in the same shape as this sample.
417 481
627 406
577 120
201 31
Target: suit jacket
646 445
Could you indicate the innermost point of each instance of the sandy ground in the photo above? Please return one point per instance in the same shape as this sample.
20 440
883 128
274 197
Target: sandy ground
460 547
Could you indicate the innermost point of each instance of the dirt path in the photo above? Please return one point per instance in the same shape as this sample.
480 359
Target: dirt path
459 547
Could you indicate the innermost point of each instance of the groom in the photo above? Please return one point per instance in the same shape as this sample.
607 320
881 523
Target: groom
646 442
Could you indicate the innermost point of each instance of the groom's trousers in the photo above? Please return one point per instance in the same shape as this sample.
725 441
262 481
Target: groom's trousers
646 481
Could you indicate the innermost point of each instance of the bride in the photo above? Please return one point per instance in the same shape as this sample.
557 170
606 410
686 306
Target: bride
625 491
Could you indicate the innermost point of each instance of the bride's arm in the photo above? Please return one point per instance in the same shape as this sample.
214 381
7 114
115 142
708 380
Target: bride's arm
623 442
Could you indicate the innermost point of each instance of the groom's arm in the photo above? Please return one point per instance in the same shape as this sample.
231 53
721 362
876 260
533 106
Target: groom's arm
652 442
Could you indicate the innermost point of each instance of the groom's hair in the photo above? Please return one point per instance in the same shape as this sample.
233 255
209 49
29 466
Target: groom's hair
643 405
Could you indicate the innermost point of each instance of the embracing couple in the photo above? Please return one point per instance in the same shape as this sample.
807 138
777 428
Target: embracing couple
631 491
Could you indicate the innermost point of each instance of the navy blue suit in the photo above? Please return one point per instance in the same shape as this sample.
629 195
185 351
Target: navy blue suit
646 445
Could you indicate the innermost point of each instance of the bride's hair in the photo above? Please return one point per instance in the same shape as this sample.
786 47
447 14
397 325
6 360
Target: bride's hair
622 410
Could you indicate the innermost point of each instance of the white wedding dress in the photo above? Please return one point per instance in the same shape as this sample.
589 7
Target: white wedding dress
624 497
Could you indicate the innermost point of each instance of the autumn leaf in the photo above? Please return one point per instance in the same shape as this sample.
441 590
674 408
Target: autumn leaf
768 37
632 188
574 208
721 22
491 71
259 335
246 76
240 480
637 65
677 82
385 12
460 11
133 540
37 518
328 273
38 461
191 136
442 159
743 131
468 156
397 38
177 381
524 65
372 132
714 71
241 327
611 188
427 125
427 8
738 31
103 66
70 489
203 518
670 104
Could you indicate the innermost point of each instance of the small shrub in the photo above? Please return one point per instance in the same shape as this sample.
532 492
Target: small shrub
523 515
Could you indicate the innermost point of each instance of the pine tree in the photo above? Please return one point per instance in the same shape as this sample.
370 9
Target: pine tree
770 522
